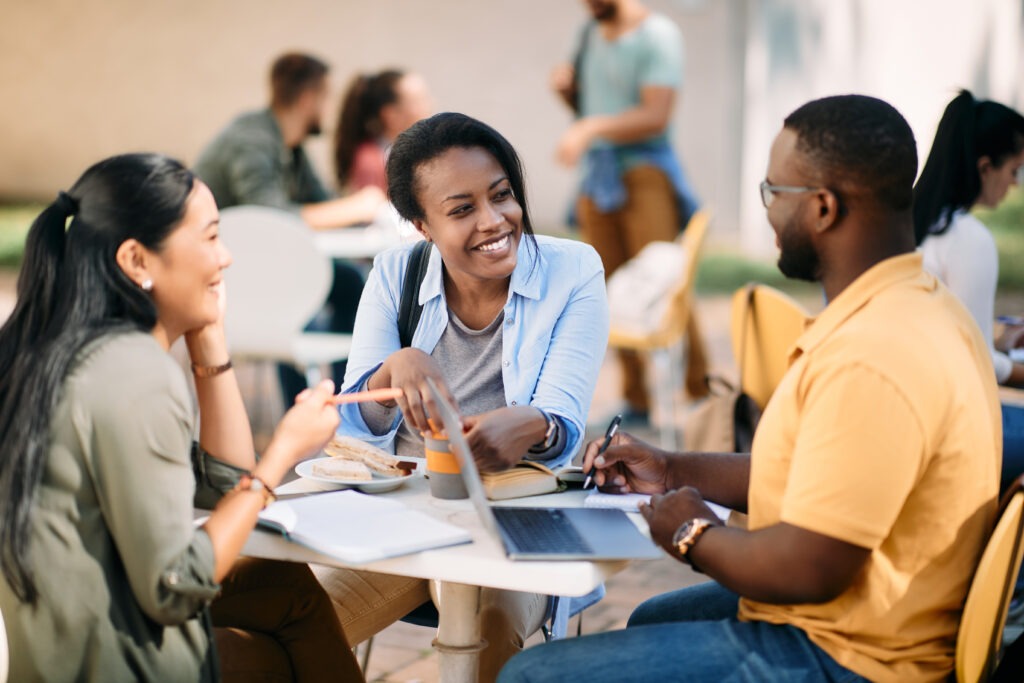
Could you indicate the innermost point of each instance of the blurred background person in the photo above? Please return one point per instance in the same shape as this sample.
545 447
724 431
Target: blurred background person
623 87
975 159
259 159
376 108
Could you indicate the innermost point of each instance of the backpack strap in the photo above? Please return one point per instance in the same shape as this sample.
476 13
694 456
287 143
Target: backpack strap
577 65
410 308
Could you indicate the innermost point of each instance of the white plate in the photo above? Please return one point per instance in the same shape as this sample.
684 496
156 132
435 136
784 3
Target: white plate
379 484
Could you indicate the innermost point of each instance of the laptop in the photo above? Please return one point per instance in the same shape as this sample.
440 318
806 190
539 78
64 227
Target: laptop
538 533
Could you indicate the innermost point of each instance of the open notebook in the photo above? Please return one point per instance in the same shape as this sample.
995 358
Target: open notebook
355 527
630 502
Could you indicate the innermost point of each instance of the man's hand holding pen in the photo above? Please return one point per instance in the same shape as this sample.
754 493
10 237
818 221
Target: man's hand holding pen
627 466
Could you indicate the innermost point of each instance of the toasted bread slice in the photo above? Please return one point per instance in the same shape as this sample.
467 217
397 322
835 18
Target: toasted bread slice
341 469
378 460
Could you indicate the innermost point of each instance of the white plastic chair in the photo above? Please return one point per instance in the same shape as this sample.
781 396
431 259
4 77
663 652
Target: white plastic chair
4 656
276 284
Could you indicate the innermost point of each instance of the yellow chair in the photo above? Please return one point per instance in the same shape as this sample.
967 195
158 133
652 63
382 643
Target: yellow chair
677 324
765 324
981 625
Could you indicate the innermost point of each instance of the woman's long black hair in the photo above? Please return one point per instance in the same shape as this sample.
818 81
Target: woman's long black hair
969 130
359 120
70 292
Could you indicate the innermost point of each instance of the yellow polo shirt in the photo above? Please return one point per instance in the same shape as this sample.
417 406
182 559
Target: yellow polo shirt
885 433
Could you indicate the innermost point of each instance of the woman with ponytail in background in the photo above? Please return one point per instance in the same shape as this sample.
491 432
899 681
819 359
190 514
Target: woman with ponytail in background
377 107
105 576
976 157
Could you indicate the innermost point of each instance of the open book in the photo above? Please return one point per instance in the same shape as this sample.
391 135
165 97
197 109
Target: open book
527 478
355 527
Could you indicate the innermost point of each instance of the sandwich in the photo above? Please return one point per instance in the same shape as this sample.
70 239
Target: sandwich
342 470
378 460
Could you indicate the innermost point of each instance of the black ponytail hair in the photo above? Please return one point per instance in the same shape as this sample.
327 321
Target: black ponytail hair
359 120
969 130
71 292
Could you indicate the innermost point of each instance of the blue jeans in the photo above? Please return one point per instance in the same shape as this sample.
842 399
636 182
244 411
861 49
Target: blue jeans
691 634
1013 445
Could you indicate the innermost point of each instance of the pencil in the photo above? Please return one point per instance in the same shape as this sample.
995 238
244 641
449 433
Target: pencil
363 396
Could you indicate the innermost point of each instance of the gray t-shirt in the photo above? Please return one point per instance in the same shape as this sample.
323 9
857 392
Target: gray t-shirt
470 361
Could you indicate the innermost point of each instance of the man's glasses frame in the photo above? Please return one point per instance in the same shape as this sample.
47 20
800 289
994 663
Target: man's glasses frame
768 191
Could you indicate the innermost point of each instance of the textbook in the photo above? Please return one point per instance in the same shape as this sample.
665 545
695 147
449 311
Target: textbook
526 478
355 527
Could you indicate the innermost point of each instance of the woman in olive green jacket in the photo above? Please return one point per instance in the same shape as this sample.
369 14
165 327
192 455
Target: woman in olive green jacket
105 577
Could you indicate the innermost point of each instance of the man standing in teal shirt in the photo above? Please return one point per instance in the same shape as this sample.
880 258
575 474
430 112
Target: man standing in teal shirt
633 190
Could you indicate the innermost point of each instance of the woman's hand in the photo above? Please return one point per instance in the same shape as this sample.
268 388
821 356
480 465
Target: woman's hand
628 466
303 431
409 370
207 345
1012 337
500 438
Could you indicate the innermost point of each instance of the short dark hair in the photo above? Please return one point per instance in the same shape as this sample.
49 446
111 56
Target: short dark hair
291 75
859 141
430 138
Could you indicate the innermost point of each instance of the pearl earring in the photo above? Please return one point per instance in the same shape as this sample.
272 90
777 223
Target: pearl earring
147 285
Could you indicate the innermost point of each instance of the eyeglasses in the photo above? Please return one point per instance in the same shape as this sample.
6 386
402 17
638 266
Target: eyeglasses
768 191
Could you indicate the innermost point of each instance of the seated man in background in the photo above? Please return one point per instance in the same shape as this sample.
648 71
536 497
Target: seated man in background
259 159
871 488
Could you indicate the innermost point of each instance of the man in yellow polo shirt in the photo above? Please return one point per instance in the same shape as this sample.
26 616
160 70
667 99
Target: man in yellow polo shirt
872 484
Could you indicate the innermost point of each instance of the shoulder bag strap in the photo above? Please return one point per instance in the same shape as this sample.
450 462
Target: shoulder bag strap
409 308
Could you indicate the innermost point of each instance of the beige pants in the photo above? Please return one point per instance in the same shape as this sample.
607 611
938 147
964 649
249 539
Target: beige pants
366 603
650 214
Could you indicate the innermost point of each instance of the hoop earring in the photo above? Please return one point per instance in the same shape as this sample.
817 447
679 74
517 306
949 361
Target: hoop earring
147 285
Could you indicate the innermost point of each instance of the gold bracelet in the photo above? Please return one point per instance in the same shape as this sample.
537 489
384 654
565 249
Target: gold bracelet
210 370
250 482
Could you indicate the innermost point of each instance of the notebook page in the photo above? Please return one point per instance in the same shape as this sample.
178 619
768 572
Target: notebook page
358 528
630 502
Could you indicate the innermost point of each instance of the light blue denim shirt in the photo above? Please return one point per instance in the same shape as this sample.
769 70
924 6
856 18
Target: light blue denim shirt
553 339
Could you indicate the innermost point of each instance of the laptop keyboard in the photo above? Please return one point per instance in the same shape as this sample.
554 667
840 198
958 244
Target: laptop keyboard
541 530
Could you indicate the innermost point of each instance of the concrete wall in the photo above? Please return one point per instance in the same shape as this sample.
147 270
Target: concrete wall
79 81
915 54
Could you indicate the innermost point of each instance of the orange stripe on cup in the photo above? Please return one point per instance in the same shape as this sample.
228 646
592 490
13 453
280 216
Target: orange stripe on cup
439 458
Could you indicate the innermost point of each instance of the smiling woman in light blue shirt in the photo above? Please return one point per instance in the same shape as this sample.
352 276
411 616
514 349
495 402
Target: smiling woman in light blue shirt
513 328
552 340
534 306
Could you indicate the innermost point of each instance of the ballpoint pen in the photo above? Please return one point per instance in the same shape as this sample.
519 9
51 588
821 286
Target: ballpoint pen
613 428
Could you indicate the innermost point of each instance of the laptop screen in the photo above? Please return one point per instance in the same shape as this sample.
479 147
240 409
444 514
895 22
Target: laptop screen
467 466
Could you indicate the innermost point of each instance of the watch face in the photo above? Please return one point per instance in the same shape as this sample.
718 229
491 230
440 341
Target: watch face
684 532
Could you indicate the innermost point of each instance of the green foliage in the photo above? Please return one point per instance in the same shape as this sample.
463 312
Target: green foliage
725 272
15 220
1007 226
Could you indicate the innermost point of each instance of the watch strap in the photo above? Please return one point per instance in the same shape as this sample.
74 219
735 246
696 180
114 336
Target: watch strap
688 534
550 435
